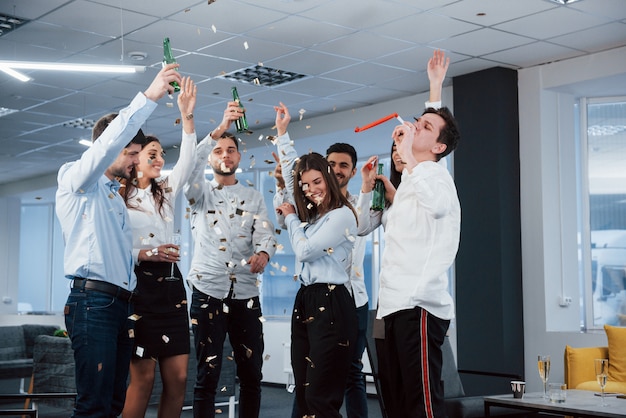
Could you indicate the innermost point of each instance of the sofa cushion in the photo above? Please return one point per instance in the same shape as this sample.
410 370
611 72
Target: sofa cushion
579 364
31 331
12 346
617 353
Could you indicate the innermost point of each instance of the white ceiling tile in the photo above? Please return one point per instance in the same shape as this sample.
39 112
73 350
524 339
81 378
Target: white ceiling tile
483 41
533 54
363 46
310 62
495 11
542 25
86 17
600 38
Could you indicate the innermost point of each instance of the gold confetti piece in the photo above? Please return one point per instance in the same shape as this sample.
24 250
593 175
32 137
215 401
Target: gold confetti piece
111 196
283 269
169 104
131 333
332 287
260 64
209 358
267 357
250 304
321 308
310 362
222 248
295 277
177 121
213 28
218 410
243 262
212 1
308 127
225 308
168 190
186 10
256 81
262 319
224 389
309 320
204 306
139 351
346 344
245 45
249 183
330 250
248 351
194 321
134 317
165 338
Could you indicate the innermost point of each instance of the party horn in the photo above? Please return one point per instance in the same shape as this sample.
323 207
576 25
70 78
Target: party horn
378 122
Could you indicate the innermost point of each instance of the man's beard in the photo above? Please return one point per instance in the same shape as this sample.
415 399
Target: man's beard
228 172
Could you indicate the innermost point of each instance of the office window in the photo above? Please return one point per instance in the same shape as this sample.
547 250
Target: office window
603 203
42 287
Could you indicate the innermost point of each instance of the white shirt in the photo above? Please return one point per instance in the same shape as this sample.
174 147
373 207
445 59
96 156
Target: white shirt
150 229
229 224
421 242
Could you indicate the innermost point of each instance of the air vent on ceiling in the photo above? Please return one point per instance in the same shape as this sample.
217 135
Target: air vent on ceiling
79 123
9 23
263 76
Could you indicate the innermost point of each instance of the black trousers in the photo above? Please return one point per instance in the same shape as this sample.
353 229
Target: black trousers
413 360
323 335
211 320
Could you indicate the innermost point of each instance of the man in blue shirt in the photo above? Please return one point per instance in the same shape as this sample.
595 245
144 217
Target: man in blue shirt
98 252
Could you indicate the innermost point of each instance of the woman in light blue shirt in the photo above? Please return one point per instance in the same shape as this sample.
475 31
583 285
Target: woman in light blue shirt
322 229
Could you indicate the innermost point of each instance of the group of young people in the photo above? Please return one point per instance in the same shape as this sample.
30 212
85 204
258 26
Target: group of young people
127 304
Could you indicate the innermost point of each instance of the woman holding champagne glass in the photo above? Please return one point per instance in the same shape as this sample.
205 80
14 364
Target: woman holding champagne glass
162 321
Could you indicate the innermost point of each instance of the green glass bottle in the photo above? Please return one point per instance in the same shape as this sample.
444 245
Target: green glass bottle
241 124
168 58
378 199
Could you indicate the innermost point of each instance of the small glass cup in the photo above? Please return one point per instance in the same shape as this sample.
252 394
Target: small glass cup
557 392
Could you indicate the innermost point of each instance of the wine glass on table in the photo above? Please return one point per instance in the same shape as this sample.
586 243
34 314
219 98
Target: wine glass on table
602 371
176 241
543 363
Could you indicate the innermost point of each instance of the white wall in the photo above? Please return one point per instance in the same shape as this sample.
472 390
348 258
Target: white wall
546 96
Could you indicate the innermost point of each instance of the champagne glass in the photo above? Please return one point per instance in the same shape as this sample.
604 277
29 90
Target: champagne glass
176 241
543 363
602 370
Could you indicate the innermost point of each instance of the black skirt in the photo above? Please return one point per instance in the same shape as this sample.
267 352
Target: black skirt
162 321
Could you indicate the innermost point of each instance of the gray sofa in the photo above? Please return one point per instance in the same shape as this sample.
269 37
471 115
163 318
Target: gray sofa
16 348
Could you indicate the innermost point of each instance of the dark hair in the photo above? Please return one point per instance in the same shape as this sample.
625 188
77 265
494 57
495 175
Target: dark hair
395 176
310 212
450 134
104 122
343 148
158 188
231 136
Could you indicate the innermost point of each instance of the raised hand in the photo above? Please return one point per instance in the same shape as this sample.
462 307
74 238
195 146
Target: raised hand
437 68
278 172
187 96
282 119
186 103
160 86
368 174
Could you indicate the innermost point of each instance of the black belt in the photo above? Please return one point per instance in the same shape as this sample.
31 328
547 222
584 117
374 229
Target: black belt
104 287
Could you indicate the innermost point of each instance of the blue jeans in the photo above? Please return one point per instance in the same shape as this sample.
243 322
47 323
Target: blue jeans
99 329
